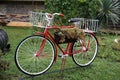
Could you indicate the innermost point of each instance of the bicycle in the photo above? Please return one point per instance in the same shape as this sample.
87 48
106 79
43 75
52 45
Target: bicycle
36 54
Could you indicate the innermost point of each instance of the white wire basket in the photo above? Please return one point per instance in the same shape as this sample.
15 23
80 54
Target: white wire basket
43 20
91 24
39 19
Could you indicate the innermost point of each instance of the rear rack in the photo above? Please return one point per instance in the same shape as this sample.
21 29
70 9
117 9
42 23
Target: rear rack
91 24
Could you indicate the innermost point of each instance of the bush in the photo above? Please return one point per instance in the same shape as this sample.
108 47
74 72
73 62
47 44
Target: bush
73 8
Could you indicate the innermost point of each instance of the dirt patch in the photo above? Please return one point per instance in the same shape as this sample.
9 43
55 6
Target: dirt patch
20 24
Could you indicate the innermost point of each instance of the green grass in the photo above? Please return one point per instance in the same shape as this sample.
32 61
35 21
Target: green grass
105 67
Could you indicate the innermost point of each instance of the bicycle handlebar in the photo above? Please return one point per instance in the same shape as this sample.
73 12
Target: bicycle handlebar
59 14
51 16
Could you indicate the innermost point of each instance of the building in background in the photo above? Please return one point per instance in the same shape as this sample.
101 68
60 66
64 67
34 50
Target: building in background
20 6
18 10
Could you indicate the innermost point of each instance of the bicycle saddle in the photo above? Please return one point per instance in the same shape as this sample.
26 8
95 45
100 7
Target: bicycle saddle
72 20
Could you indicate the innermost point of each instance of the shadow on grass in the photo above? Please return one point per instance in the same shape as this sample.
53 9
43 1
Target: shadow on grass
56 74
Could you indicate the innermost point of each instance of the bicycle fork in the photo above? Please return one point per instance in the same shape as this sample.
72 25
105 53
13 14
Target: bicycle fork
41 48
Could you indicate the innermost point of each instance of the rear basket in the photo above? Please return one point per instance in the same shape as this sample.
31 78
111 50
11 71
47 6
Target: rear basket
59 39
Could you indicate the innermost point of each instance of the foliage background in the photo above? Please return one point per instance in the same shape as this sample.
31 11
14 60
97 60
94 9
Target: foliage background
73 8
104 10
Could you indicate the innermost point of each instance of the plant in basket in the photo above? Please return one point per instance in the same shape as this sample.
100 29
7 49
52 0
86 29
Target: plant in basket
69 35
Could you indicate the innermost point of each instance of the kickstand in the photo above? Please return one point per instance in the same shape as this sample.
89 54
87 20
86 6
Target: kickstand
62 66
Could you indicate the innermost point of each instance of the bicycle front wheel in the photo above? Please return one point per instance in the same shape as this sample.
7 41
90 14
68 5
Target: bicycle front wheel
85 58
26 60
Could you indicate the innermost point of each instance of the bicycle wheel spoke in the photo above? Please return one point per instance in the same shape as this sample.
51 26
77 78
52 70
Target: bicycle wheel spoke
85 58
25 57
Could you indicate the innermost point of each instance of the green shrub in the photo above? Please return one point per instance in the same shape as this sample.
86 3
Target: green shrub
73 8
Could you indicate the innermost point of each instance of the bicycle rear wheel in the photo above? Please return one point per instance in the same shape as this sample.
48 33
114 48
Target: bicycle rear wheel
85 58
26 60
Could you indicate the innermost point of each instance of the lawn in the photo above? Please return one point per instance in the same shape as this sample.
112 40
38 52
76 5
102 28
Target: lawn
105 67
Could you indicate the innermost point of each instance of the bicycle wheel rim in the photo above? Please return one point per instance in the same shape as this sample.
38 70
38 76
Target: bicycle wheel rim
86 58
26 60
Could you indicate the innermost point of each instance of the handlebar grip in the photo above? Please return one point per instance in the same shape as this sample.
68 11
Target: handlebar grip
50 15
62 15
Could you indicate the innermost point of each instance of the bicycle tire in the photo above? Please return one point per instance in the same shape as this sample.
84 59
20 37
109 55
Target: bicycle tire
25 58
83 59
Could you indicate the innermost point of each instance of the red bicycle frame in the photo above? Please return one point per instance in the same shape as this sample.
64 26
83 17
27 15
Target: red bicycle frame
47 34
68 49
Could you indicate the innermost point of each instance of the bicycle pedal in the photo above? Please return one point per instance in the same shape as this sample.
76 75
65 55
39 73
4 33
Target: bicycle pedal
60 55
